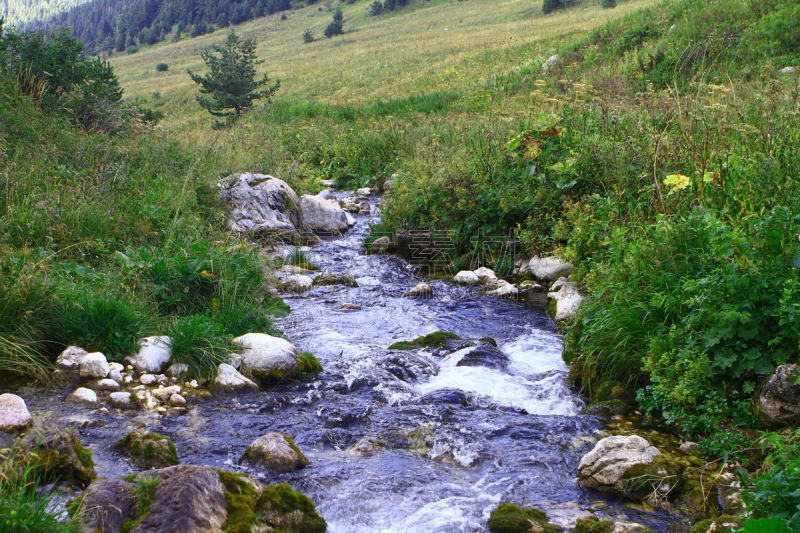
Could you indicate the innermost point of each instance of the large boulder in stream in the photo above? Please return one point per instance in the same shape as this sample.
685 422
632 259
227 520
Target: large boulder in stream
322 216
510 518
262 205
13 412
190 499
49 455
265 358
276 452
147 450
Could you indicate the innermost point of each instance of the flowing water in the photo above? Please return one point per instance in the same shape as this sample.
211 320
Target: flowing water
450 442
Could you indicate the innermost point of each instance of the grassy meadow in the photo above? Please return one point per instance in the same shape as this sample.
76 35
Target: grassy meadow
438 46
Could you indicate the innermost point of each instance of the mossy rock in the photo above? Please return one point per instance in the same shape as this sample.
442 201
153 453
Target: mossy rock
607 409
717 525
147 450
336 279
307 365
509 518
594 526
613 390
51 455
431 340
276 452
307 266
489 340
662 476
252 506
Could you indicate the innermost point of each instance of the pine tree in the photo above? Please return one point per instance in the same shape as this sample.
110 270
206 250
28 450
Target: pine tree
230 87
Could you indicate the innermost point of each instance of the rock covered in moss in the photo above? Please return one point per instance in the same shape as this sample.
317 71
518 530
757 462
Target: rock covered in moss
606 465
266 358
13 413
509 518
345 280
55 455
147 450
720 524
105 505
276 452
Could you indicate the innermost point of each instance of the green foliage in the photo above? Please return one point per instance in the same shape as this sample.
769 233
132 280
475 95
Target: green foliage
231 84
548 6
308 36
608 3
376 8
774 498
108 323
594 526
53 70
334 28
338 15
144 489
200 343
161 67
24 509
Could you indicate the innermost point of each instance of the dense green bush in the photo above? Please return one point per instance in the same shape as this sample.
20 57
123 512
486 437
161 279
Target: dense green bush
162 67
334 28
199 343
548 6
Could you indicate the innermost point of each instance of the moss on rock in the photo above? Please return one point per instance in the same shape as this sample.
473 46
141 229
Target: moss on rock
594 526
431 340
720 524
662 477
307 365
252 506
148 450
509 518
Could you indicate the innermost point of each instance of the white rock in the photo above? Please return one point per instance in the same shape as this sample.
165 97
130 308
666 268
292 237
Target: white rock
70 359
264 355
193 384
121 399
351 221
147 379
347 306
466 277
94 365
484 273
504 290
298 283
106 384
322 216
127 379
176 400
83 396
261 204
326 194
115 372
228 379
153 355
148 403
13 412
164 394
549 268
611 457
366 191
177 370
551 63
789 70
567 297
629 527
420 289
